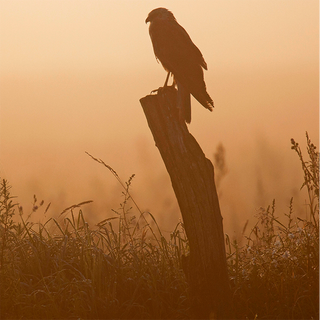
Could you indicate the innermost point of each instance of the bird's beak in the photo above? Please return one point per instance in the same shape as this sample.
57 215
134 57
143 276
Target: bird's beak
147 20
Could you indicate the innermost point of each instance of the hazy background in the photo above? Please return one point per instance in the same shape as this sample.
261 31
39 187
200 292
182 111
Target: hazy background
72 74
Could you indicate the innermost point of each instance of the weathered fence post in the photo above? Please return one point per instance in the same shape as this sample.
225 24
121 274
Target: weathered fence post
192 177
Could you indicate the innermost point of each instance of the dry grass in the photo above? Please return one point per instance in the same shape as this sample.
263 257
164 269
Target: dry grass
119 269
276 274
125 268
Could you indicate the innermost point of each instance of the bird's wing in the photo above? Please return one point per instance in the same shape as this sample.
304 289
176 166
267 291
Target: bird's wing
172 45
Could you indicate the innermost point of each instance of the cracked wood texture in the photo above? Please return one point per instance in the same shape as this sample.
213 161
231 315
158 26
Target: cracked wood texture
192 178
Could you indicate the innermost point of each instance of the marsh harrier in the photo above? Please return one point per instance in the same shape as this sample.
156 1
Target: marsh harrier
179 56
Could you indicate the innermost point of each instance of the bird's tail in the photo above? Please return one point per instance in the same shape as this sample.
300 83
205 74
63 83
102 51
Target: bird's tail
204 98
184 103
197 87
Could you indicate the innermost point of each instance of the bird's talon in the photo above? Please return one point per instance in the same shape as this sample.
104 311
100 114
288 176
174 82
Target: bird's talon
156 91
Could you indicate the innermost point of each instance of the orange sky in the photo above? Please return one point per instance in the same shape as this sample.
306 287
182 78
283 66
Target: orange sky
43 36
72 74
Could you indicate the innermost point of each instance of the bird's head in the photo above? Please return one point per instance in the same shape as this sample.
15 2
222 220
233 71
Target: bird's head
160 13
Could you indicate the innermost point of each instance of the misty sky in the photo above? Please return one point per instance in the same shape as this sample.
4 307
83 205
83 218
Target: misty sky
72 74
44 36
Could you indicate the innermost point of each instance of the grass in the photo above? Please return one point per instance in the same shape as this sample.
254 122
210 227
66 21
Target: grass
119 269
276 274
125 268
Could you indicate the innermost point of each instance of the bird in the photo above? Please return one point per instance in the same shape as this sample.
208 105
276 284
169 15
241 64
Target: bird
180 57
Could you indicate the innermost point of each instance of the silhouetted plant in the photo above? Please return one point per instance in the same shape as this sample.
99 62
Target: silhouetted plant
125 268
276 274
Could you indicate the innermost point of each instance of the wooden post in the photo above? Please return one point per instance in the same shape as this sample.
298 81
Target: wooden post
192 178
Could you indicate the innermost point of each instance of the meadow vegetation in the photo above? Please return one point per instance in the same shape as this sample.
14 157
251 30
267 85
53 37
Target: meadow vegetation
124 268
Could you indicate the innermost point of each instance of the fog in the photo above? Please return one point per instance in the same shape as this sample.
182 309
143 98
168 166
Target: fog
260 164
72 75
